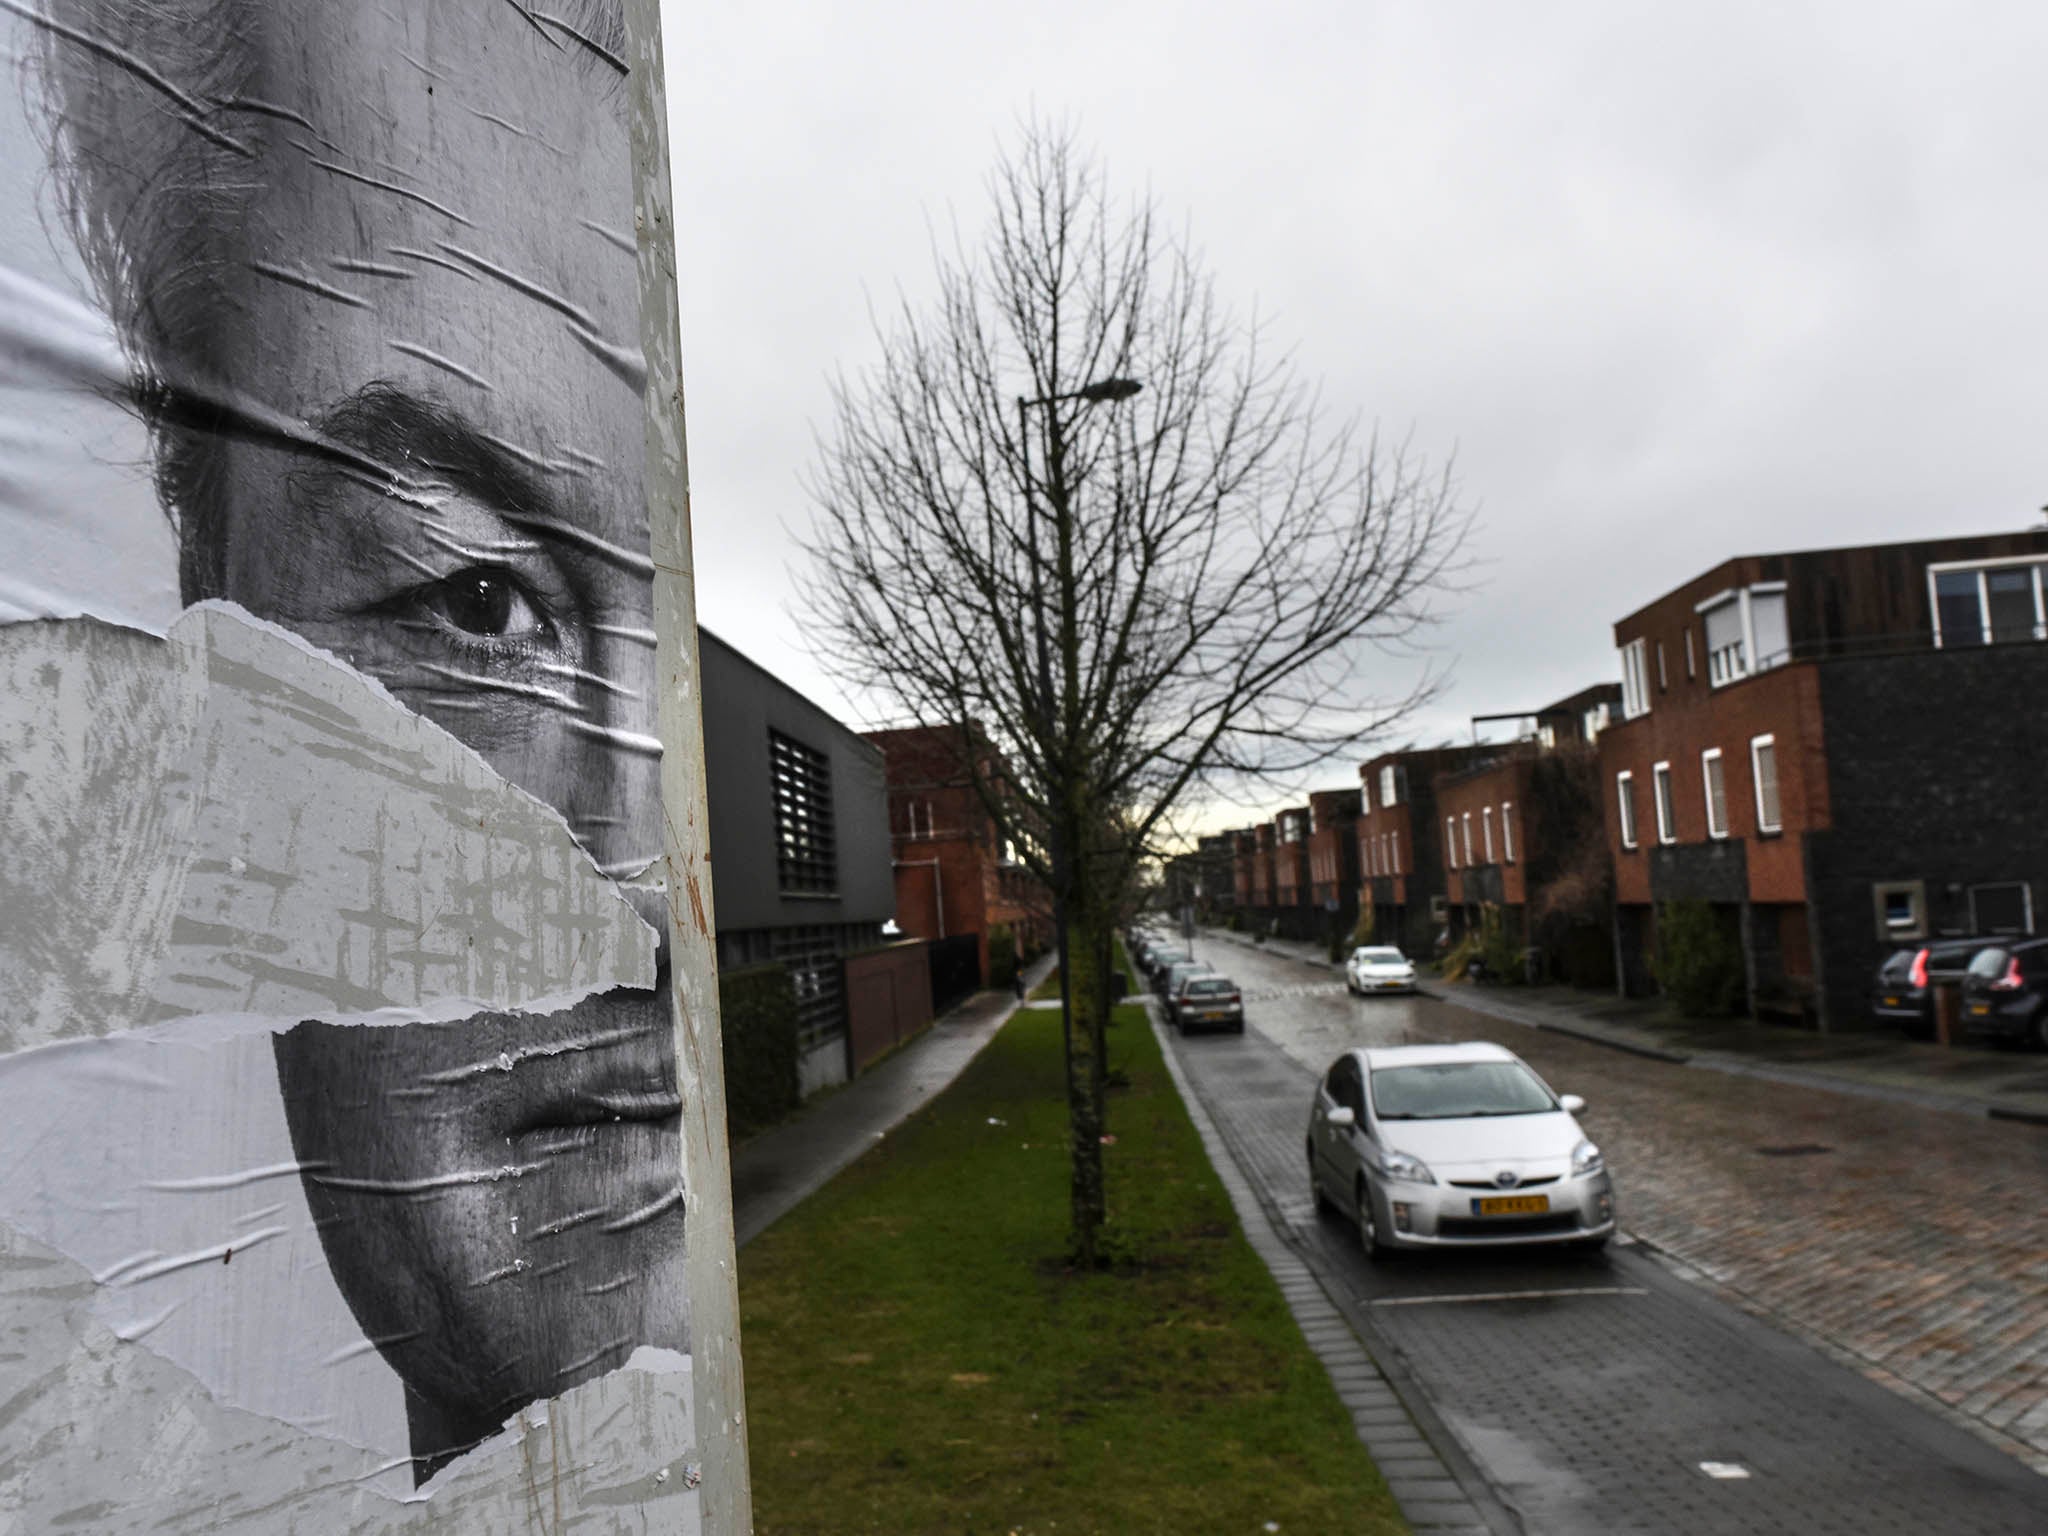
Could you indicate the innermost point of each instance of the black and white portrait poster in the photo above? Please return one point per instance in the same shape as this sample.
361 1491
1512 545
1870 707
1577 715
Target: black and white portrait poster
341 1171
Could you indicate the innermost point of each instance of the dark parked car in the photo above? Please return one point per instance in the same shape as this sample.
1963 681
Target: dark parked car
2005 991
1904 990
1207 1002
1162 959
1169 980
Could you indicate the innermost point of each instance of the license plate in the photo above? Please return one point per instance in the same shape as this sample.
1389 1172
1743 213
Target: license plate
1891 1002
1978 1010
1512 1205
1217 1013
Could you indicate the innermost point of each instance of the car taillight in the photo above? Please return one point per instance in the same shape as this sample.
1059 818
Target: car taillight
1918 975
2011 981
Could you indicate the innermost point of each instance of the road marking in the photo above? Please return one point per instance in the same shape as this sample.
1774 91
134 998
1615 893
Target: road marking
1580 1290
1725 1470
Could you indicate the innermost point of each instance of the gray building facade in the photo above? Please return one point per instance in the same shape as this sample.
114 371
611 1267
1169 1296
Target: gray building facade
799 813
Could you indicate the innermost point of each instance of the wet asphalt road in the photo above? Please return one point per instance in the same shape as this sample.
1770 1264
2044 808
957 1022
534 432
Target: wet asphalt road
1588 1391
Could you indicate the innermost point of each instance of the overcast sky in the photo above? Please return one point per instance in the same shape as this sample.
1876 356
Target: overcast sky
1673 283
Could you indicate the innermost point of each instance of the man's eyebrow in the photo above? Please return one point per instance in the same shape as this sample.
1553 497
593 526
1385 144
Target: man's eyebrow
421 444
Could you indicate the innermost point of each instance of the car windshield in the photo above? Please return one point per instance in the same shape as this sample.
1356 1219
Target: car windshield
1381 957
1455 1090
1207 986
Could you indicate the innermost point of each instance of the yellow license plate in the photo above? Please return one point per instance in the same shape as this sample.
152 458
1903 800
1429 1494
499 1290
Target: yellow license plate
1512 1205
1891 1002
1980 1009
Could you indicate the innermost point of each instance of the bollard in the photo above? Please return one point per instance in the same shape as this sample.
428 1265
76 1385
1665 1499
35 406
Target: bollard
1948 1009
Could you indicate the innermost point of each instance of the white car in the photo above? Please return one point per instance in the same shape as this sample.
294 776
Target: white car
1454 1146
1378 968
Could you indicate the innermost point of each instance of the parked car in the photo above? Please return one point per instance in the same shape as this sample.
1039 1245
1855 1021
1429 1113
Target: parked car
1904 989
1210 1001
1170 979
1449 1146
1158 961
2005 991
1378 968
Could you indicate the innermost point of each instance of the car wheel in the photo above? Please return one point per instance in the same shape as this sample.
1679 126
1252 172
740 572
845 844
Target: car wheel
2040 1029
1368 1225
1592 1246
1315 1186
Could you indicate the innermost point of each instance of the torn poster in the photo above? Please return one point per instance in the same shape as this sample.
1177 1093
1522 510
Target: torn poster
341 1181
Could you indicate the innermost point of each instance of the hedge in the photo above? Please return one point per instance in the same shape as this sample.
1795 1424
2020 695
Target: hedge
757 1014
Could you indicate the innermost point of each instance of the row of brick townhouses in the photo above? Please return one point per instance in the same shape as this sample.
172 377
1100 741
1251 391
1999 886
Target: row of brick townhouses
1840 751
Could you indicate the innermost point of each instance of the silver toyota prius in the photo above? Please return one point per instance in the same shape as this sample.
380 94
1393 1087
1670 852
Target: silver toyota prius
1454 1146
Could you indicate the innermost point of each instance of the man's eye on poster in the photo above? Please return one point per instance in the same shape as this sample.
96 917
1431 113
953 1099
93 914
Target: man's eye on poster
340 1130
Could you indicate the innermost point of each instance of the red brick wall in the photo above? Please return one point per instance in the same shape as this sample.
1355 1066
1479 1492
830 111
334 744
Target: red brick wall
1504 790
1681 724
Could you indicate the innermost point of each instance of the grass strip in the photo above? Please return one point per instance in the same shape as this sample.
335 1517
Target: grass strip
920 1360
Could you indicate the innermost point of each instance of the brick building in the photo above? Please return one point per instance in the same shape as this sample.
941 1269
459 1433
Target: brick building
1399 844
1841 751
954 873
1333 860
1524 836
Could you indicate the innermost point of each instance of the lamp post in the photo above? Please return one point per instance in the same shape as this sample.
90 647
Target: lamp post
1109 389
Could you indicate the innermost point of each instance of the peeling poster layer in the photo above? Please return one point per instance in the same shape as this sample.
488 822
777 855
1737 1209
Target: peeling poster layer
246 833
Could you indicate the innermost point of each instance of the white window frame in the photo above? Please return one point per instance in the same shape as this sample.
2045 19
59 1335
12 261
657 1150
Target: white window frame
1691 667
1465 818
1756 782
1635 692
1751 662
1625 799
1451 841
2026 902
1982 569
1394 851
1390 786
1711 764
1507 832
1662 802
1486 828
1365 797
1662 681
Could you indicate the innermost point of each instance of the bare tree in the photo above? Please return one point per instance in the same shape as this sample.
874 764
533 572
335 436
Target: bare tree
1078 503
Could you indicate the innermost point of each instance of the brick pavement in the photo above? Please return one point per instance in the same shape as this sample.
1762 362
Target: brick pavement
1913 1243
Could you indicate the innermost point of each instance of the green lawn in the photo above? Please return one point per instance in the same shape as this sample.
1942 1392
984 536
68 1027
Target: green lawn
918 1360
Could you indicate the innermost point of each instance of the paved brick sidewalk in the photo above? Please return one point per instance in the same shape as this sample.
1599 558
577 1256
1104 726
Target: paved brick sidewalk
1909 1241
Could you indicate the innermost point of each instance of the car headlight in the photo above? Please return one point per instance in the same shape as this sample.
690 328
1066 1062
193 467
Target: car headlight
1399 1165
1586 1159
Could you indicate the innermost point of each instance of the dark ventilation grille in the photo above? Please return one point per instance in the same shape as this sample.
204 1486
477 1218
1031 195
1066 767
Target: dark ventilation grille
806 861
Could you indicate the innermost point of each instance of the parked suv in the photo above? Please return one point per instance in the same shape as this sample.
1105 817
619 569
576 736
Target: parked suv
2005 991
1904 989
1207 1002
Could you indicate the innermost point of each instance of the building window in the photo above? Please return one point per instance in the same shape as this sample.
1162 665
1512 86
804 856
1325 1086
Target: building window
1394 852
1466 817
1594 721
2004 908
1365 798
1451 841
1763 764
1746 631
1716 788
1901 909
1662 682
1988 604
1660 796
1507 830
1390 786
1635 697
1625 800
1486 828
806 856
1691 667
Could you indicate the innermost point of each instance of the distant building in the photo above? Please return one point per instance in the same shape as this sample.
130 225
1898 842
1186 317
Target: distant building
1842 751
798 812
954 873
1401 859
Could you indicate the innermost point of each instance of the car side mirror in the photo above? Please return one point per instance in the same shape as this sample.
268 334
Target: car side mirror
1341 1116
1570 1103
